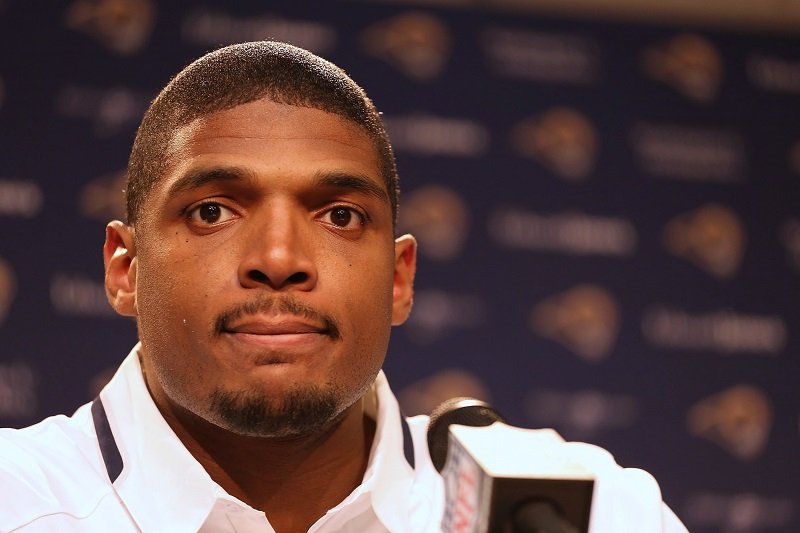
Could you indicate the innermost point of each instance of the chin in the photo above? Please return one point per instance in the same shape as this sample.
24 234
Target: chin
256 413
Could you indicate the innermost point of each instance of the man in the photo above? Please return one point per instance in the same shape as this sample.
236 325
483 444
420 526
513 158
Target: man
260 263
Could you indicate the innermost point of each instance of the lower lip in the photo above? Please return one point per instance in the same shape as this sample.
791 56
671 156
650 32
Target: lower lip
278 341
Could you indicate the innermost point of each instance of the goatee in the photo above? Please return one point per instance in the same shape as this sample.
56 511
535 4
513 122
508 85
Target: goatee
255 414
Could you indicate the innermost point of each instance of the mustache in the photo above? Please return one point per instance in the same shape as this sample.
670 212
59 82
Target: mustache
266 305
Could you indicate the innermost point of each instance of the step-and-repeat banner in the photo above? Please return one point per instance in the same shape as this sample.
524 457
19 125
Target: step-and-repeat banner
609 220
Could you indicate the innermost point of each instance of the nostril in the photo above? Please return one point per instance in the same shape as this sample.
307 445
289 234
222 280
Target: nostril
258 276
297 277
261 278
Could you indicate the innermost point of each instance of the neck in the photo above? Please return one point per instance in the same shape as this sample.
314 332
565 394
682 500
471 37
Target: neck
295 481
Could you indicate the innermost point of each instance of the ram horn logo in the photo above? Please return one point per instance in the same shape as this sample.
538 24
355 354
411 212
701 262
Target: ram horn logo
561 139
439 218
425 395
415 43
738 419
689 63
585 319
8 289
123 26
711 237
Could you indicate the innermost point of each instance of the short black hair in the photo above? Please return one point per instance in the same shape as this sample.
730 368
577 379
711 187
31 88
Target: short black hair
239 74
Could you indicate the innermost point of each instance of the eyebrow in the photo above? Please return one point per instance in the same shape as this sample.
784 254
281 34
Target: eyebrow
352 182
195 179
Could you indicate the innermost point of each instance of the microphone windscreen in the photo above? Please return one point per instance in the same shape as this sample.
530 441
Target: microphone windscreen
462 411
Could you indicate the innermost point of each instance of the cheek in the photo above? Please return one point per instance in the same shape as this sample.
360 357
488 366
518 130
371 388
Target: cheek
171 295
371 283
174 321
160 311
367 294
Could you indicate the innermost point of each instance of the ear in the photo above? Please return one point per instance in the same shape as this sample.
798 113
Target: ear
405 266
119 257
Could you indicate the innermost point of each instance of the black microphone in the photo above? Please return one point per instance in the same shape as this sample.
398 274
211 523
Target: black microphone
492 481
464 411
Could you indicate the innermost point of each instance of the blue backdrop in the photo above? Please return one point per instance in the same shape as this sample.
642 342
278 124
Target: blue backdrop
608 216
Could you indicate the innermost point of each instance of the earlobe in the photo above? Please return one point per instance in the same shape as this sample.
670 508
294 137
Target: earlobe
405 266
119 257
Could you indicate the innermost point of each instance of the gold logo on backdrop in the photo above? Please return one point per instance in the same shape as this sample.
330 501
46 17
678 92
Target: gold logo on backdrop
415 43
712 237
439 218
561 139
123 26
738 419
585 319
689 63
8 289
425 395
103 199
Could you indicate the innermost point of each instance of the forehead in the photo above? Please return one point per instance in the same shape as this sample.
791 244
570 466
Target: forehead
274 137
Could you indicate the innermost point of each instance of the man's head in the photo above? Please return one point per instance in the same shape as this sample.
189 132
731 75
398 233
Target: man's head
239 74
260 259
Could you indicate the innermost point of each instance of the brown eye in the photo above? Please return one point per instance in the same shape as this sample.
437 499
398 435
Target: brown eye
210 213
341 216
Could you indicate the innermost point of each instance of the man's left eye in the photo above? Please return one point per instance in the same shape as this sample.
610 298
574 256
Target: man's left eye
209 214
344 217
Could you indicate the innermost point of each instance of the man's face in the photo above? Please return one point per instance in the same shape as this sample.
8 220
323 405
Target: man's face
264 274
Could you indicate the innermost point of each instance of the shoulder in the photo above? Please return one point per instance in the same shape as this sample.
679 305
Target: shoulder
54 445
50 468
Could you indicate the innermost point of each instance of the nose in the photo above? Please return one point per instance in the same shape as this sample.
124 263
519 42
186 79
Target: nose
278 252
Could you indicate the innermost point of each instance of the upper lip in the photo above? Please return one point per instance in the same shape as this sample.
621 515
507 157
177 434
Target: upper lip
281 325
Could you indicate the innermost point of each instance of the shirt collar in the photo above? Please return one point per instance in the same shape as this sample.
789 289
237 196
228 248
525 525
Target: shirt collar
161 484
165 488
390 474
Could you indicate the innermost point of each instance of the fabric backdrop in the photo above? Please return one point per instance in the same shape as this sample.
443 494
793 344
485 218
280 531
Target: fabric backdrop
608 217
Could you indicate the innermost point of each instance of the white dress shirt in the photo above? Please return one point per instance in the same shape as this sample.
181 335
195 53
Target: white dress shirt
116 465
